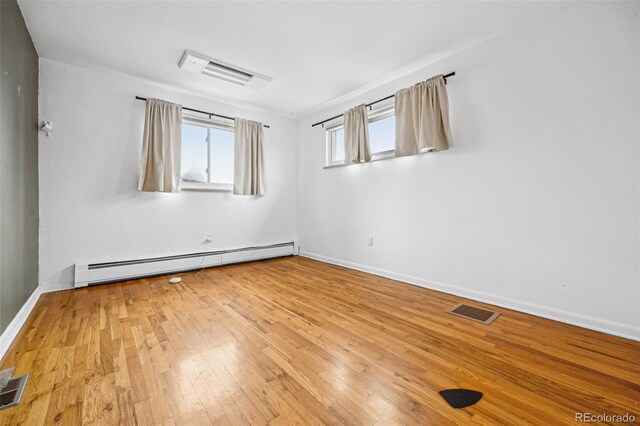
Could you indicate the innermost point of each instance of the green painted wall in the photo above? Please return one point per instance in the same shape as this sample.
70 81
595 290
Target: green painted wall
18 163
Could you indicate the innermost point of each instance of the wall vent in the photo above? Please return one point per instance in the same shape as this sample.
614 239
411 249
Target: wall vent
474 313
200 64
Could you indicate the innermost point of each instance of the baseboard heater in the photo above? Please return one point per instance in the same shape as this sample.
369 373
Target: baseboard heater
96 273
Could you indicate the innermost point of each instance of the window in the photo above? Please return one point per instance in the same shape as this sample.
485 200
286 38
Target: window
381 137
335 146
207 155
382 133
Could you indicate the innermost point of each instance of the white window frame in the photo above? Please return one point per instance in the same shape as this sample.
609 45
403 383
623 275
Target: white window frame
330 135
207 186
331 141
377 115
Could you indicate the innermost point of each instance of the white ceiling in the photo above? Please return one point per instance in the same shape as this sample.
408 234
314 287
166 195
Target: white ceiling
315 51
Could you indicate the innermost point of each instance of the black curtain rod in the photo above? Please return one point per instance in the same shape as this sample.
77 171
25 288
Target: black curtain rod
451 74
210 114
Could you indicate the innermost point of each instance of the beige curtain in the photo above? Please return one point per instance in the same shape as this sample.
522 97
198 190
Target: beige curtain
356 135
249 163
422 118
161 147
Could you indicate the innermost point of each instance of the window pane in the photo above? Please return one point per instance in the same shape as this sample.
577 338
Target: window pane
194 153
221 156
382 135
338 153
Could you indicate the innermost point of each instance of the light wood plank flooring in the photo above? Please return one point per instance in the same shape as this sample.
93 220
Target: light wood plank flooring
294 341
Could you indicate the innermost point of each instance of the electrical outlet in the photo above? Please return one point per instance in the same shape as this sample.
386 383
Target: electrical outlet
209 238
370 240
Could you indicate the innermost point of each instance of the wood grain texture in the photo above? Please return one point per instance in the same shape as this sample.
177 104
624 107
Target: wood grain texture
295 341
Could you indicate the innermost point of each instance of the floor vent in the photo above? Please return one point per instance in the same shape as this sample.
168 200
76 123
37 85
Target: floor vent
474 313
11 389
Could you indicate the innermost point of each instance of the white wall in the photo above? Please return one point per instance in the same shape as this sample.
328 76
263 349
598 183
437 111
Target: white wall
89 207
535 206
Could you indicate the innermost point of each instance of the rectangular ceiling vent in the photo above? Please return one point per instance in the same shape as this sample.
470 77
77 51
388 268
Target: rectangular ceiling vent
200 64
474 313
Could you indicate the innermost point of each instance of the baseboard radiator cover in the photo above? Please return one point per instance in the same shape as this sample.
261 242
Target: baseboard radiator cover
104 272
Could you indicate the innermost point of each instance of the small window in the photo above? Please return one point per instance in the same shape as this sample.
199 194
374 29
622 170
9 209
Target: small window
335 146
382 133
381 137
207 155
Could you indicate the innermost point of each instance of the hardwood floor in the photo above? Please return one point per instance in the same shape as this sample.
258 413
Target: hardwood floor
294 341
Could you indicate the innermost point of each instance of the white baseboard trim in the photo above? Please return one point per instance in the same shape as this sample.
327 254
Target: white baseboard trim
17 322
48 288
596 324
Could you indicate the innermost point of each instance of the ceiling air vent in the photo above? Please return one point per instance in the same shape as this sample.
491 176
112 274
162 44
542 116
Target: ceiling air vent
200 64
